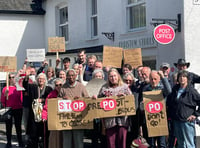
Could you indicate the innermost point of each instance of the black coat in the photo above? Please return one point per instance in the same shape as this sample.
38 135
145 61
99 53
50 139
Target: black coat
180 109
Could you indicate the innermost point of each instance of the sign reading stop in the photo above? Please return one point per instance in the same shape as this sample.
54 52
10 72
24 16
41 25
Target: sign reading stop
164 34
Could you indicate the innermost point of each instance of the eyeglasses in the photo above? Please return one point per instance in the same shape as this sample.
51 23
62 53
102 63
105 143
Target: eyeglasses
58 85
128 80
11 77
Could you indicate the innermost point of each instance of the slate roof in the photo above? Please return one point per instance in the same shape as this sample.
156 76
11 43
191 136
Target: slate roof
21 6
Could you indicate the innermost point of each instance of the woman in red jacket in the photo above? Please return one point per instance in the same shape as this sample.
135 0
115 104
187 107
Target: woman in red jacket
55 138
15 102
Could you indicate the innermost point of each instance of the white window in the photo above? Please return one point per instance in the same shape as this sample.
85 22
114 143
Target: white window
136 14
63 23
94 29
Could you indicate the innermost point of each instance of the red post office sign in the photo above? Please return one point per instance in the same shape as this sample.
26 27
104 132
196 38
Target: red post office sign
154 107
164 34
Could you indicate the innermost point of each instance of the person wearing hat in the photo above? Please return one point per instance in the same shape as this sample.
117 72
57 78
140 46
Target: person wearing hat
183 65
165 68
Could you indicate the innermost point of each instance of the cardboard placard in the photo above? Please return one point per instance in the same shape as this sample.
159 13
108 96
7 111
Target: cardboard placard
8 64
35 55
112 56
56 44
155 113
61 116
133 57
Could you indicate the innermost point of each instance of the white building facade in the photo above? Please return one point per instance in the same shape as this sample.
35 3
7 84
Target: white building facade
131 23
83 22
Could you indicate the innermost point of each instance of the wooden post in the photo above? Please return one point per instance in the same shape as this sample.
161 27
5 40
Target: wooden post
7 84
57 55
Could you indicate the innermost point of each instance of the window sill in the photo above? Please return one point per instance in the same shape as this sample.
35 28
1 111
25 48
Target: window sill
134 31
92 39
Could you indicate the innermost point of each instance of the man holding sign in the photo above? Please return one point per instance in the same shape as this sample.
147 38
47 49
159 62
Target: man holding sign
72 89
153 109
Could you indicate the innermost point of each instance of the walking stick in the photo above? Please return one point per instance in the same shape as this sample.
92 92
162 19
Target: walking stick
44 134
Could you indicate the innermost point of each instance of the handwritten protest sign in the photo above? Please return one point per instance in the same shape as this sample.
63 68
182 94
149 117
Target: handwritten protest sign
8 64
133 57
56 44
112 56
35 55
79 114
155 113
19 81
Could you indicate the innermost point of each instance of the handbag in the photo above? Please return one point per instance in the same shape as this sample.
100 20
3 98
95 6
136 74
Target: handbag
37 110
5 114
38 106
139 142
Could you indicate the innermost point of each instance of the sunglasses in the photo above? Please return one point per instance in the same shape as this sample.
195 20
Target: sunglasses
128 80
58 85
11 77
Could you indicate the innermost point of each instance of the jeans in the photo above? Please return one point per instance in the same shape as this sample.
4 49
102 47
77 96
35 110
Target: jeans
161 142
185 133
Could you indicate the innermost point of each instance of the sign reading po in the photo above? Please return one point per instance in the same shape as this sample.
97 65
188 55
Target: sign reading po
108 104
164 34
154 107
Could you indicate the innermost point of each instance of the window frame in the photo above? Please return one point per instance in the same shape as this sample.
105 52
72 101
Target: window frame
66 23
128 7
93 16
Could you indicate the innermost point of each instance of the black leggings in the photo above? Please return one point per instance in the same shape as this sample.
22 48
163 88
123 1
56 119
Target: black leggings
17 115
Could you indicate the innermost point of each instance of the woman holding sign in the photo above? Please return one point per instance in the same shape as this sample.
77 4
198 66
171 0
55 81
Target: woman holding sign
116 127
10 97
182 103
55 137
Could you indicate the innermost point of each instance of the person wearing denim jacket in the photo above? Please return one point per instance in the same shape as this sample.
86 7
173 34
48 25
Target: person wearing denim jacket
182 103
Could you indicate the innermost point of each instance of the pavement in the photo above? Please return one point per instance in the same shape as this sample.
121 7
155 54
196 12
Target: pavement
3 139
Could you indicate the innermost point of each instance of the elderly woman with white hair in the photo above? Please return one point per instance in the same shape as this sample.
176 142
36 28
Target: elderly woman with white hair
96 74
38 92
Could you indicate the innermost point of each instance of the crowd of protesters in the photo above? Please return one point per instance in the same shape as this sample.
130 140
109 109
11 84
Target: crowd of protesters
182 101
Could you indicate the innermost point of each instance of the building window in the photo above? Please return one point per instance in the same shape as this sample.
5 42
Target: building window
136 14
94 29
63 23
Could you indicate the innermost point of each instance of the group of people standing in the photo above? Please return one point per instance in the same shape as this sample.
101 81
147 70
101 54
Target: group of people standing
116 132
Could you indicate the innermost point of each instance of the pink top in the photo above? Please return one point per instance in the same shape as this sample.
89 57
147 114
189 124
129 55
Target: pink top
15 98
52 94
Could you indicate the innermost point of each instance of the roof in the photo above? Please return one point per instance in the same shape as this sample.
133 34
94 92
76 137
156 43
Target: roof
21 7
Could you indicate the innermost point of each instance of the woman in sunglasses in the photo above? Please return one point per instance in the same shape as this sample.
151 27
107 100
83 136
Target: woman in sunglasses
55 138
10 97
133 132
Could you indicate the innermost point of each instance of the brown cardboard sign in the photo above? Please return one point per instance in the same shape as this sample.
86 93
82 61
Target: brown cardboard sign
155 113
133 57
79 114
8 64
112 56
56 44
